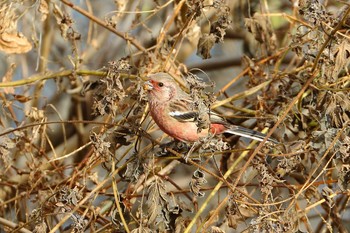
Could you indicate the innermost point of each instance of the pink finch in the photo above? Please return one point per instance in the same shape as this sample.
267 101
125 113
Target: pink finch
170 108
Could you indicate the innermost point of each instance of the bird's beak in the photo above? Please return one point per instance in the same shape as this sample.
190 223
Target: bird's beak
148 85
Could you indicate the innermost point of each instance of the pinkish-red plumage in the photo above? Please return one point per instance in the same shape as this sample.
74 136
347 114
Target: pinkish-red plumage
170 109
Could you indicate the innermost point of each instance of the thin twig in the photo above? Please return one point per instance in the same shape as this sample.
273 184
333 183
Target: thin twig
103 24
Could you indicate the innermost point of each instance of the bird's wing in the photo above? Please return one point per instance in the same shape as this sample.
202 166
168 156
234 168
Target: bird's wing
217 119
180 110
184 116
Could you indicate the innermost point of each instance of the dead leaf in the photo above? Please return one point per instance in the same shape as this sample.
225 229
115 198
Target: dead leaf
43 9
14 43
8 78
11 40
205 44
215 229
342 60
197 181
260 26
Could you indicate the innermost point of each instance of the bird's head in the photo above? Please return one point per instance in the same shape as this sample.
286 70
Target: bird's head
161 87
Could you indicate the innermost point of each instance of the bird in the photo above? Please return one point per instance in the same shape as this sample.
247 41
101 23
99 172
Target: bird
170 108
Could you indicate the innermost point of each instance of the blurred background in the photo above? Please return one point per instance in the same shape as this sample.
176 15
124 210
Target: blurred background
80 153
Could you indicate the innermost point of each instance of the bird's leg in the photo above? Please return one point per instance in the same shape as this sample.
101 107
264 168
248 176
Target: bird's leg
193 148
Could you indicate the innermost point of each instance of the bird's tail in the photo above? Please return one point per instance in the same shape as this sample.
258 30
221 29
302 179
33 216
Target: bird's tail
248 133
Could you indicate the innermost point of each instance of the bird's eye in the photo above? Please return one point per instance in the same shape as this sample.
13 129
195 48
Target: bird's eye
160 84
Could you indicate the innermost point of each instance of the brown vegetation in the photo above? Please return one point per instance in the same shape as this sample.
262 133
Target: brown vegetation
80 153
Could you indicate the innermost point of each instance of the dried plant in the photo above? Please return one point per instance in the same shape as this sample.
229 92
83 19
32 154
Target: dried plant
79 151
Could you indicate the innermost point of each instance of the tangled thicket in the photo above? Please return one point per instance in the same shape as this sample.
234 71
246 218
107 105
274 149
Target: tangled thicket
79 151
